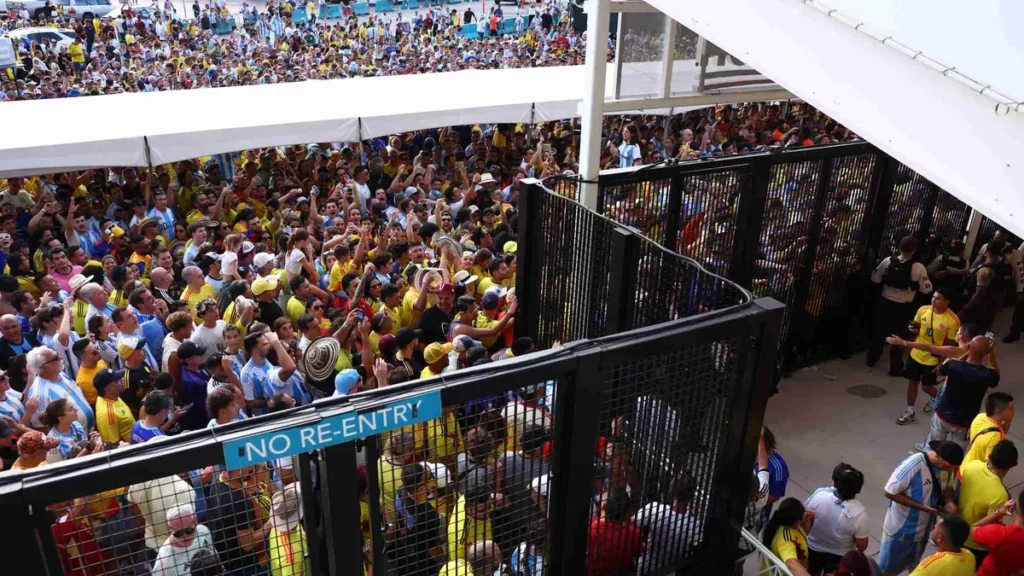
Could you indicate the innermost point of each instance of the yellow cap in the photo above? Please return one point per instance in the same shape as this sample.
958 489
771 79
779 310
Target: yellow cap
435 352
262 285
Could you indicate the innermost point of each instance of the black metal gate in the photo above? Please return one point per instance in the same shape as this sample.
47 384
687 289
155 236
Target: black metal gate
805 227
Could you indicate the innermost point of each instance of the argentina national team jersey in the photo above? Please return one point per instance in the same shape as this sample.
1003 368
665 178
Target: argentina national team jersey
46 391
294 387
254 377
913 478
12 406
68 441
71 362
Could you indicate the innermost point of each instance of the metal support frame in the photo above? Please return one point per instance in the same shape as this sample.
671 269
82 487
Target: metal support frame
622 290
528 260
592 107
341 503
758 361
709 98
753 195
667 56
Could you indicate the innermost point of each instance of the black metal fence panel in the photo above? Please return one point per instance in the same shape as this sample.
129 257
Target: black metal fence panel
474 480
804 226
708 213
573 248
785 233
639 203
949 221
661 430
908 212
835 287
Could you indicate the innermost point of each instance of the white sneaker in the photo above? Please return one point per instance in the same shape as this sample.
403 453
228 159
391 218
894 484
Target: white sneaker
906 418
929 405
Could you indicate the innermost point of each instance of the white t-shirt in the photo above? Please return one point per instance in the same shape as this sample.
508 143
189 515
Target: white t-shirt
154 498
363 194
210 338
836 523
669 535
174 561
293 264
170 346
228 263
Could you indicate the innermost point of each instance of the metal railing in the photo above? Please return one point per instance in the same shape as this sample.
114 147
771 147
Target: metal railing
804 226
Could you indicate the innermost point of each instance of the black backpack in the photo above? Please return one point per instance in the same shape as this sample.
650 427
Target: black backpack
898 274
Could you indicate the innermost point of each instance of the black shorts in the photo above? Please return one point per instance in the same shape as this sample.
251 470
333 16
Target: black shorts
917 372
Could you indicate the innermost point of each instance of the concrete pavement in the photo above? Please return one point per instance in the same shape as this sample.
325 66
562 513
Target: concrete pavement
818 423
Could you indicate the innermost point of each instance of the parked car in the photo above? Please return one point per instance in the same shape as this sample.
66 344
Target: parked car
22 36
77 9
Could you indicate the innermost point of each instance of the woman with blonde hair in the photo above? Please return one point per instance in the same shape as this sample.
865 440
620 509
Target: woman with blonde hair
229 262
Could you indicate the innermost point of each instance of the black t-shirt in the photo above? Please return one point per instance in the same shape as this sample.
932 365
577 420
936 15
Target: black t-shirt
227 510
433 322
269 311
137 383
378 182
965 389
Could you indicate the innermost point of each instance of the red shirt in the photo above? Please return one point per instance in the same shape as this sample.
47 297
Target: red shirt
611 547
80 554
1005 549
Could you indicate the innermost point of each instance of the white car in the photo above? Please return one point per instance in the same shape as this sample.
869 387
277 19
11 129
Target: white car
62 36
77 9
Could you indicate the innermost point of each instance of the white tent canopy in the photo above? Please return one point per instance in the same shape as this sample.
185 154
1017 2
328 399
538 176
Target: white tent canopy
76 133
932 112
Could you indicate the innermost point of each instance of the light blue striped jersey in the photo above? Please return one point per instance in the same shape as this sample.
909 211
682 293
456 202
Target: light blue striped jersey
913 478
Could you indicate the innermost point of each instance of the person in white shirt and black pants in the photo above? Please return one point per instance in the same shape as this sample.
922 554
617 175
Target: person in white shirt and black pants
901 277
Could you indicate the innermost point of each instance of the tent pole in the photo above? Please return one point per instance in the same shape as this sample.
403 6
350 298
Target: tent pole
592 107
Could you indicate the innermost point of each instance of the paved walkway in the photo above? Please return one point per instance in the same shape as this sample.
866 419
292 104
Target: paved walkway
818 423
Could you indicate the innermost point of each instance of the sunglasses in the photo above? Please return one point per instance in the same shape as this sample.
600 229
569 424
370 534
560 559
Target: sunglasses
318 307
184 532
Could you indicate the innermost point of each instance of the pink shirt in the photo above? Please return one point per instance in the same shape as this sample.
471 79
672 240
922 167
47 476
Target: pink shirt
62 279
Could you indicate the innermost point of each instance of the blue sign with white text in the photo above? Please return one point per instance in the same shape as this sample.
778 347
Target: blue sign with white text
268 446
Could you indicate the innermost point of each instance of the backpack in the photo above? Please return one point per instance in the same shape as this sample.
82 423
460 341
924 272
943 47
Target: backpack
898 274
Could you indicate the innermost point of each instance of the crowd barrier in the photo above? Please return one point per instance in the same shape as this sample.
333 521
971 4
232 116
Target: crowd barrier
804 226
329 12
508 26
633 420
300 15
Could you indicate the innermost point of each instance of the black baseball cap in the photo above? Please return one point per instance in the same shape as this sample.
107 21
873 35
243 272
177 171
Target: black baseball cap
105 377
189 349
405 336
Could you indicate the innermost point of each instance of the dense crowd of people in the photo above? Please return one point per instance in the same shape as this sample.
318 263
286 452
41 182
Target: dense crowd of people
156 50
139 304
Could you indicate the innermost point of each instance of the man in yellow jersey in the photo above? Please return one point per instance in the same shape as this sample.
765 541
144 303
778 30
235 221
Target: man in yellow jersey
935 325
470 521
197 289
952 559
114 419
989 428
77 52
499 274
982 493
90 364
